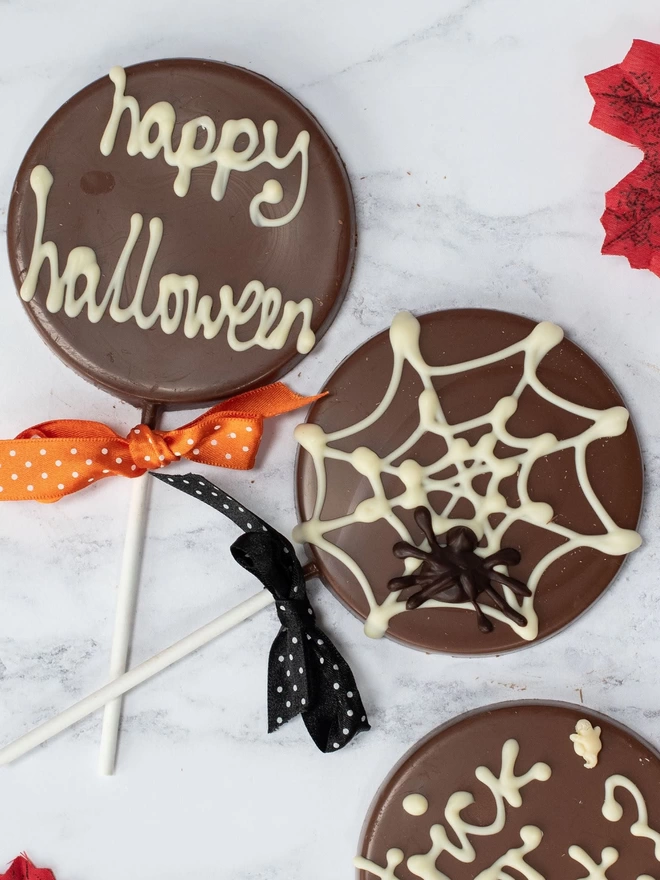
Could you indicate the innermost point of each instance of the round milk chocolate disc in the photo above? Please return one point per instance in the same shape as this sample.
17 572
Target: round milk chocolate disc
181 231
544 791
471 483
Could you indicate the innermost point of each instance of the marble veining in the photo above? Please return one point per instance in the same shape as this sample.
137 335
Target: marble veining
478 182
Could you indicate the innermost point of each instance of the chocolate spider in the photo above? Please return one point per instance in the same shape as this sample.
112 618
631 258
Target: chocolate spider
454 573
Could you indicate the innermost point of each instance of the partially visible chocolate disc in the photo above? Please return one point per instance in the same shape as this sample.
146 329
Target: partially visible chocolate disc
181 231
543 791
518 447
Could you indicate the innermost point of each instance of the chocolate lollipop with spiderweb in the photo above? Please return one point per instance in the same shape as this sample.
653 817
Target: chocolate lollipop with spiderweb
520 449
180 232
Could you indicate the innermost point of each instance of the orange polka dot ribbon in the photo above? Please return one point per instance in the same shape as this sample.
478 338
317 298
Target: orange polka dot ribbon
57 458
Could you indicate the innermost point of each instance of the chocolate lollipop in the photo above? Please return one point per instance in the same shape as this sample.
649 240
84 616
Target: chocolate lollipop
179 232
542 790
471 482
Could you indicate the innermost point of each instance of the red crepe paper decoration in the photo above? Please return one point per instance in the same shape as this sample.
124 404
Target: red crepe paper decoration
23 869
627 106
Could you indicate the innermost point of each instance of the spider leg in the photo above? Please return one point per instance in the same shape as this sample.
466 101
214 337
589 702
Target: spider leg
517 586
472 591
505 556
403 550
505 608
423 519
411 580
484 624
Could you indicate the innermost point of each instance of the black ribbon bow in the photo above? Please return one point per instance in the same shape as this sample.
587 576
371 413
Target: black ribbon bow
306 674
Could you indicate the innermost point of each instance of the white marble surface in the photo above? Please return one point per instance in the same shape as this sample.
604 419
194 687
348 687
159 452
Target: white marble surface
478 182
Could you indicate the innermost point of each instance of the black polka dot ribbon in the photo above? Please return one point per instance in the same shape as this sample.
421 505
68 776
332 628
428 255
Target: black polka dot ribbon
306 674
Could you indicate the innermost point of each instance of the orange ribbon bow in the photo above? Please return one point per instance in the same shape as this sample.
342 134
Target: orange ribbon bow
58 458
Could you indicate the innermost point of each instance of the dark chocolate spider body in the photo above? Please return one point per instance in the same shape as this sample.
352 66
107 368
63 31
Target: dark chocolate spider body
454 573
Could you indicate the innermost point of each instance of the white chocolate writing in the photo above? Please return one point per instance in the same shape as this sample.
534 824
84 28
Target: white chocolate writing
505 788
161 116
608 857
415 804
178 295
613 811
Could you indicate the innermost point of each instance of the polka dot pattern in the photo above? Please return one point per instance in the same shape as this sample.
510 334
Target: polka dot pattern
89 451
218 437
306 674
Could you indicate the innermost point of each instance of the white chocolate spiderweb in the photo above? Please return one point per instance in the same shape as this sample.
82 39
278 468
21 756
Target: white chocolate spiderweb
467 461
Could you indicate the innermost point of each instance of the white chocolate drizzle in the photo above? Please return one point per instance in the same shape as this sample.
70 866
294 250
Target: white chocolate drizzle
469 462
186 157
415 804
586 742
613 811
393 858
504 788
515 858
177 300
608 857
507 788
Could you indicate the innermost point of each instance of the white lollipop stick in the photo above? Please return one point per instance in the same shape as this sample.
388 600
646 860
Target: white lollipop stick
126 597
129 581
115 689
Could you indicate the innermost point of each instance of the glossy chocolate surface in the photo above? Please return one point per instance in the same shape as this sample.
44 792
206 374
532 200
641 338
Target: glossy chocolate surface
94 196
572 583
566 807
